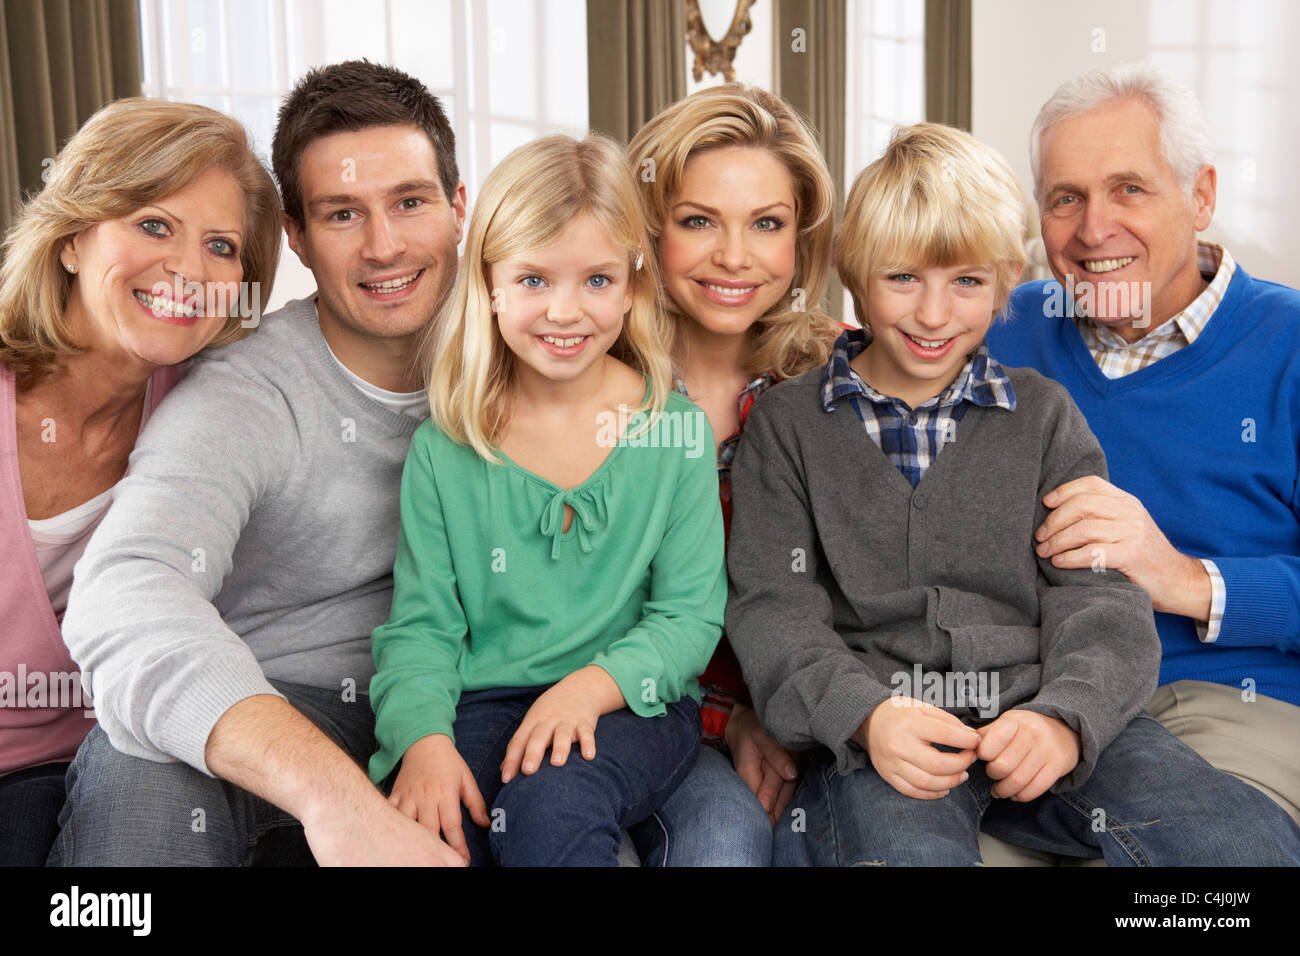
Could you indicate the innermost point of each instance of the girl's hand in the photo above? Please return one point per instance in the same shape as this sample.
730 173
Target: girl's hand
431 786
767 768
898 736
565 713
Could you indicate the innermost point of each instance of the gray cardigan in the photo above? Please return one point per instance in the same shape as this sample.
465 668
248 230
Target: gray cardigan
843 577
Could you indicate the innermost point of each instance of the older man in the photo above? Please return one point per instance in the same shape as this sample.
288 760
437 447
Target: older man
1188 370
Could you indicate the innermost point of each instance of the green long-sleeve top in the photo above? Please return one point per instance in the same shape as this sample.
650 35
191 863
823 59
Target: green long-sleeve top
489 591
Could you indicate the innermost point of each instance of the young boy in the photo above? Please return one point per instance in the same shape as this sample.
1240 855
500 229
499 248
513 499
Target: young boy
887 605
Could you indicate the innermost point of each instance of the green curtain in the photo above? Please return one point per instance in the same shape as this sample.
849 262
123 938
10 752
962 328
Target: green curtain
948 62
60 60
808 70
636 62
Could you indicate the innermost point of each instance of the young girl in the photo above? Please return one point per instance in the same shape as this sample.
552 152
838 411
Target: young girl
559 576
740 211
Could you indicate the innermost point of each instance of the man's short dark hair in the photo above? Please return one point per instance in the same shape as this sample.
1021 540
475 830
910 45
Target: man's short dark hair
345 97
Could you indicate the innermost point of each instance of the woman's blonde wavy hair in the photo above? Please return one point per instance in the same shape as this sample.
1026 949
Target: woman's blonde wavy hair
525 203
131 153
795 335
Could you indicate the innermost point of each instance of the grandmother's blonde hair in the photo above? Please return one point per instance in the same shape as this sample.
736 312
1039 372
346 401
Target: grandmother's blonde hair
131 153
525 203
795 334
937 197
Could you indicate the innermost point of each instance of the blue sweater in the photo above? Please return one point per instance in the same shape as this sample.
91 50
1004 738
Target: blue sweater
1208 439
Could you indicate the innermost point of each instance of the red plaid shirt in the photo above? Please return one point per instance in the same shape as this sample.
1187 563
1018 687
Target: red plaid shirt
722 685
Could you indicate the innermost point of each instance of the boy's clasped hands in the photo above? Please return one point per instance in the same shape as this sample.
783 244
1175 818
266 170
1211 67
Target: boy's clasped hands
1024 751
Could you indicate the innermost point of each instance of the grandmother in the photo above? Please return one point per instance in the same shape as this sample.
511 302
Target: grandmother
157 235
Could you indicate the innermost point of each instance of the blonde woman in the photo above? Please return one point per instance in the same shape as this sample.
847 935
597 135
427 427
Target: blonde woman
153 238
740 209
559 578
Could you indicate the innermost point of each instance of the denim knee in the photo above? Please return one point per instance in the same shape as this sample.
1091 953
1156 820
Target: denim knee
1152 800
711 819
556 816
856 818
126 811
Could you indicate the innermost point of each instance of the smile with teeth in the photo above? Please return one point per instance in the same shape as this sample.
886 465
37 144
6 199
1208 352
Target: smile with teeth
164 305
729 289
931 344
392 285
563 343
1107 265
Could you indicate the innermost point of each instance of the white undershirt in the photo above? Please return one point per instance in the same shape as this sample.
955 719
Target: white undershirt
415 404
61 540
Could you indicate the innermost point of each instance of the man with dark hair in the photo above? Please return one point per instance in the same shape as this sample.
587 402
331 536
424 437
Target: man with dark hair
351 96
225 605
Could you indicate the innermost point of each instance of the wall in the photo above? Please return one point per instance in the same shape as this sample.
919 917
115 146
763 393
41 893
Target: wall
1237 55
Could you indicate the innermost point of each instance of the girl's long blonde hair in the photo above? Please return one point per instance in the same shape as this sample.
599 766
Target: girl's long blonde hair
795 335
525 203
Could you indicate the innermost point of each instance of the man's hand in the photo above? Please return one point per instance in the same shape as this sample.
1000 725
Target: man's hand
898 736
767 768
265 746
431 786
1093 520
1027 752
566 712
376 836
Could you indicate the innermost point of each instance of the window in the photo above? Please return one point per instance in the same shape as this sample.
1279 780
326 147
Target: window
507 71
884 82
884 76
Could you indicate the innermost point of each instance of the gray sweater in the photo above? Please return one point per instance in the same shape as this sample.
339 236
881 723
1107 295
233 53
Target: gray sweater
843 577
252 539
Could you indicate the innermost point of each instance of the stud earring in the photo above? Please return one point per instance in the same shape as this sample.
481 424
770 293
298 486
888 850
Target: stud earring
70 267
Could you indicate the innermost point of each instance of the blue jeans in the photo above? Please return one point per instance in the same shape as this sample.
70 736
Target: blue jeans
712 819
572 815
126 811
30 801
1150 801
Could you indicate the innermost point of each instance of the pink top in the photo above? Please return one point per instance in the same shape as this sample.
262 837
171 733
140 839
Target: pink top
35 668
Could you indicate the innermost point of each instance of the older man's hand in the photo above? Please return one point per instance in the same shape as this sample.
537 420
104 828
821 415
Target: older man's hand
1095 524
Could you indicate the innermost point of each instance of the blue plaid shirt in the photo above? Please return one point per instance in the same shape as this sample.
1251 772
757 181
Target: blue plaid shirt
913 437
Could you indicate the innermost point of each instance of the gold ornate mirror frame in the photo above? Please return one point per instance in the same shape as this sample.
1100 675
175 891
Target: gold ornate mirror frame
715 56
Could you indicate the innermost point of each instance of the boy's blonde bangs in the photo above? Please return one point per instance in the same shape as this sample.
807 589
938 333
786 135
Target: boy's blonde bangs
526 202
937 197
923 232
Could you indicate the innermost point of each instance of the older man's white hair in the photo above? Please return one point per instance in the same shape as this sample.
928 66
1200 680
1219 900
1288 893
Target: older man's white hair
1184 132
